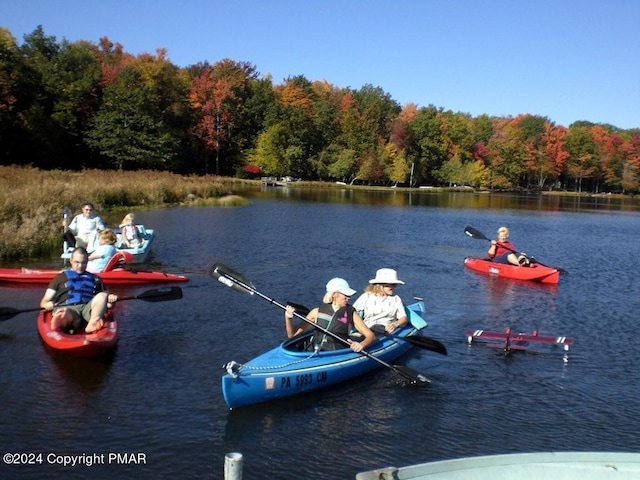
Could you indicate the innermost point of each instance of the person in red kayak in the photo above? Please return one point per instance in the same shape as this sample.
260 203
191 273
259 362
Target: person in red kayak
77 298
503 251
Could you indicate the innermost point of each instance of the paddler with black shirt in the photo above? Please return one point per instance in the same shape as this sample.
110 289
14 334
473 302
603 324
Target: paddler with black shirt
334 315
77 298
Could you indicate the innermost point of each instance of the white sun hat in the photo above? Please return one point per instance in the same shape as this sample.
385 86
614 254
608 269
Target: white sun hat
340 285
387 275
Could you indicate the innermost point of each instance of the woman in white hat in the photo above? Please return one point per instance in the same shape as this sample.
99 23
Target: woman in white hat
335 315
379 305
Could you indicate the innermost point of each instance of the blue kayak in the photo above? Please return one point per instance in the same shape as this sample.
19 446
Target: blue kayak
291 369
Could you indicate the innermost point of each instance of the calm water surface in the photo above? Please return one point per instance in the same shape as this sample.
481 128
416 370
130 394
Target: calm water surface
160 394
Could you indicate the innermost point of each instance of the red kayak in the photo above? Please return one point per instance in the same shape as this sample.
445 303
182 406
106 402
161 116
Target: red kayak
118 276
535 272
79 344
113 274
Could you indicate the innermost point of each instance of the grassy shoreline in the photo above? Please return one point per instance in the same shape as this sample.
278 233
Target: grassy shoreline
32 201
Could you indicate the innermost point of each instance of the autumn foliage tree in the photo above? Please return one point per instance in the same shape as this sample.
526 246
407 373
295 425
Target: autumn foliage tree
216 97
77 105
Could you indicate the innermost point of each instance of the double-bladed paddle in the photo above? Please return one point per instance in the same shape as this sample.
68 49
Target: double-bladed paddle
153 295
478 235
236 281
419 341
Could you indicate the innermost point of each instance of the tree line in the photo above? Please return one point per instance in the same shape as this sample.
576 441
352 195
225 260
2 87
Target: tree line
79 105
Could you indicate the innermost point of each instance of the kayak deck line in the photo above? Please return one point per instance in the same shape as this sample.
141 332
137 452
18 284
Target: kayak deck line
234 368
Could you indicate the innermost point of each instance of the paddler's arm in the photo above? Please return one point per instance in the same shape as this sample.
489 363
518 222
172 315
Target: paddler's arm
365 331
111 299
47 299
492 249
293 330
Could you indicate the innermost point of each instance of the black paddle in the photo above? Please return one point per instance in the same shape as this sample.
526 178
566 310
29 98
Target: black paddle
232 279
478 235
419 341
153 295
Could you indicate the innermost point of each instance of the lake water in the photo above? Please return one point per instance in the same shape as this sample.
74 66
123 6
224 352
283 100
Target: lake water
160 395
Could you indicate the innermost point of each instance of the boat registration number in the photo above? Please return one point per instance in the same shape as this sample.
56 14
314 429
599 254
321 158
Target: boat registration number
306 379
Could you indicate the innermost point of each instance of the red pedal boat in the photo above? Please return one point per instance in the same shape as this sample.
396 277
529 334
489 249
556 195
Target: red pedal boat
535 272
509 341
114 274
79 344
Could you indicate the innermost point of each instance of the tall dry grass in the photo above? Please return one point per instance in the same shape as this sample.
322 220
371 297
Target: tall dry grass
32 200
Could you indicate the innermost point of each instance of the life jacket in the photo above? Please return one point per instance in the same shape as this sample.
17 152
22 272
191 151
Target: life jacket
503 249
79 287
339 323
131 233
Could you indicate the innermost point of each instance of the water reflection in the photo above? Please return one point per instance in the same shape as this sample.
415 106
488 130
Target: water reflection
87 374
162 393
427 198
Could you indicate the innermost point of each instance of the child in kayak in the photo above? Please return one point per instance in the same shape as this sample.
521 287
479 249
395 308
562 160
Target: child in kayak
131 237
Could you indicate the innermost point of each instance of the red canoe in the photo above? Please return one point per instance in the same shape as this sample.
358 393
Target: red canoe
79 344
535 272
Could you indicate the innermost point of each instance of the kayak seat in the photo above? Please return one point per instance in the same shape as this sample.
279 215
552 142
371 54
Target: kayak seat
117 261
303 343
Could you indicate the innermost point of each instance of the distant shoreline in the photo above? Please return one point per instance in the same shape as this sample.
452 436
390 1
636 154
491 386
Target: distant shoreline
32 200
461 189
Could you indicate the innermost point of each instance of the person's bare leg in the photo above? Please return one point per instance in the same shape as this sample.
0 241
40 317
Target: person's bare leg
98 307
61 319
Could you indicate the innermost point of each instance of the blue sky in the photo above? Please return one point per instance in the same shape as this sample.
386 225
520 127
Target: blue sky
567 60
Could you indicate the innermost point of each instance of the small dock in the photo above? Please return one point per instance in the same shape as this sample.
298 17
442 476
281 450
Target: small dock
269 181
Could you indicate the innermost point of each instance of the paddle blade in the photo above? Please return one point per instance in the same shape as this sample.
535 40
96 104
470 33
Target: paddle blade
418 340
427 343
159 294
7 313
414 377
301 309
477 234
231 279
561 270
